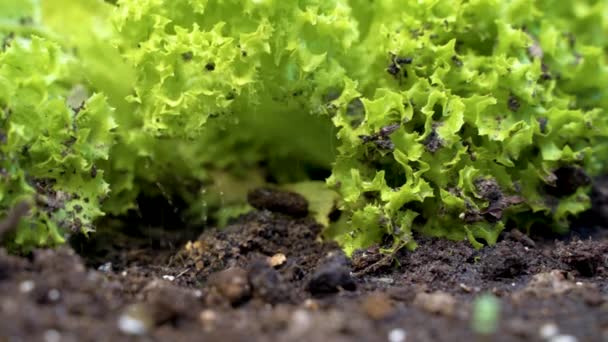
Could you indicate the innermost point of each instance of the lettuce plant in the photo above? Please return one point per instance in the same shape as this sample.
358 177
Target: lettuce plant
54 132
470 115
449 118
452 118
53 137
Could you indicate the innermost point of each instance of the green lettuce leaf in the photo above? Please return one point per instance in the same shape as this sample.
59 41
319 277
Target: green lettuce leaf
53 137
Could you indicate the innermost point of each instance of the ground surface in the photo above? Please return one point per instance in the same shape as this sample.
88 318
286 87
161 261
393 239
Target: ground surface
267 278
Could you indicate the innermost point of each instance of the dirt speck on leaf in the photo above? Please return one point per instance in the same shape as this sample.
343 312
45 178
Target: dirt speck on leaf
433 141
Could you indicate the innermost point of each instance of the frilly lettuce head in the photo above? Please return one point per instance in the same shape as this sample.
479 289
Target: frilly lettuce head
229 86
467 116
453 118
448 118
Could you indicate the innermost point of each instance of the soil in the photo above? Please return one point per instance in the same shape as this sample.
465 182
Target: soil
267 277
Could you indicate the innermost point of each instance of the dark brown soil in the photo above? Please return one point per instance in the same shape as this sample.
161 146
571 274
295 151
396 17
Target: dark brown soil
267 277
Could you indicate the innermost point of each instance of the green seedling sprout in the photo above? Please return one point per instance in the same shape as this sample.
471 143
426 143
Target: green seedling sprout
486 315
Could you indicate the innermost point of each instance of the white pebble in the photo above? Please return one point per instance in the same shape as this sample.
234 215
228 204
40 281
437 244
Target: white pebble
301 318
207 316
169 277
131 325
54 295
385 280
397 335
563 338
579 283
52 336
107 267
301 322
26 286
548 330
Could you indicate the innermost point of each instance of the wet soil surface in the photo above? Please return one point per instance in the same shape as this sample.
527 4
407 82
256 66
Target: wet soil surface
266 277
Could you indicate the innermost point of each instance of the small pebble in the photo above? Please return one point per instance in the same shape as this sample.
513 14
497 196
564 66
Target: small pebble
54 295
199 265
207 317
397 335
437 302
465 287
299 324
385 280
169 277
377 306
277 260
548 330
563 338
331 276
52 335
311 304
232 284
26 286
135 320
130 325
105 268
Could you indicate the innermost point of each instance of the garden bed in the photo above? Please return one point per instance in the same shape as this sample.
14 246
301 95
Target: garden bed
267 277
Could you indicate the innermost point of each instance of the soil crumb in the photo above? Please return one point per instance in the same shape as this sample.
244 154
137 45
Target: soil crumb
279 201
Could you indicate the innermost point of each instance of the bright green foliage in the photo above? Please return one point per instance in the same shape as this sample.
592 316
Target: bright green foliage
449 118
53 135
225 92
84 26
52 139
497 98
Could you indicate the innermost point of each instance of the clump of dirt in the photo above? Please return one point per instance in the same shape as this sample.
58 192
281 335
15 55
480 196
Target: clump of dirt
585 258
332 275
371 261
258 235
231 284
285 202
566 180
268 284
